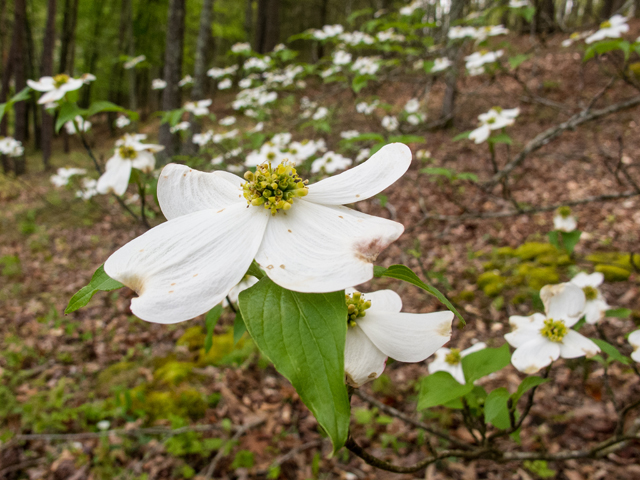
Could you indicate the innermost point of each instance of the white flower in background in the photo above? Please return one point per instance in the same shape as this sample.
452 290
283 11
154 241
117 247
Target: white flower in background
356 38
269 152
241 47
55 87
563 221
130 153
132 62
389 35
540 339
87 78
188 80
423 155
221 72
217 160
300 151
103 425
219 137
328 31
253 98
320 113
390 123
612 28
518 3
258 128
476 61
245 83
227 121
412 106
440 64
457 32
490 31
199 108
349 134
634 340
340 57
83 125
367 108
179 127
202 139
255 63
416 118
233 153
62 176
235 168
418 64
450 360
122 121
377 330
330 71
279 47
495 119
89 189
225 84
218 223
330 162
366 65
11 147
158 84
251 113
363 154
413 6
596 305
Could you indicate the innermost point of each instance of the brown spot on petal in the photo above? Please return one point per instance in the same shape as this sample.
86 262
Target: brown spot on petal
357 196
173 284
444 329
340 216
135 283
196 275
184 174
170 291
142 249
368 250
269 267
282 267
220 211
289 231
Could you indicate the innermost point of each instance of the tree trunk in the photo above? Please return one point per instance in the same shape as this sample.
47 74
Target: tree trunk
19 69
131 51
545 16
172 73
449 100
92 52
324 11
7 71
67 41
47 69
609 7
115 79
248 21
268 27
204 38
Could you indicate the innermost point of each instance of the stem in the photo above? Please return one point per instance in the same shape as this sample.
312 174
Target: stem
142 192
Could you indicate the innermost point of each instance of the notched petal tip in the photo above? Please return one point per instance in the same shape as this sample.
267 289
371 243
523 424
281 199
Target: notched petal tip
367 250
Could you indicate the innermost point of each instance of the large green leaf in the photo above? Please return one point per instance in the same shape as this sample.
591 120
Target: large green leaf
104 106
210 321
527 384
100 281
484 362
496 410
68 111
611 351
304 334
402 272
440 388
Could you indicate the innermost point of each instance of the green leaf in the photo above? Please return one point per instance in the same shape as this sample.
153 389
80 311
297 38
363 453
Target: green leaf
402 272
570 240
239 327
210 321
68 111
440 388
445 172
406 139
618 313
255 270
359 82
607 46
500 138
496 409
104 106
304 334
368 136
100 281
516 61
527 384
462 136
611 351
554 239
484 362
23 94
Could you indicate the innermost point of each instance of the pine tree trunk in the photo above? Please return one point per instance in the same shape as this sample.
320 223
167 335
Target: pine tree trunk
172 73
47 69
268 25
92 52
19 69
204 39
449 100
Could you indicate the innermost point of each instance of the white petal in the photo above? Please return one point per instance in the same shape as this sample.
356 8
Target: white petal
523 329
145 161
116 176
634 341
575 345
564 301
184 267
480 134
384 301
594 310
182 190
364 181
475 348
535 354
585 280
317 248
408 337
71 85
440 365
363 361
43 85
51 96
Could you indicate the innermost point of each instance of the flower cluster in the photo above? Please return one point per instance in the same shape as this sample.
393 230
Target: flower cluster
11 147
495 119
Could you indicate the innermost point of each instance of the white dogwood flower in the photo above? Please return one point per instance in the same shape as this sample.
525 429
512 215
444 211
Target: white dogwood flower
130 153
495 119
595 306
321 113
634 340
11 147
440 64
540 339
225 84
612 28
188 80
341 57
122 121
450 360
199 108
62 175
412 105
377 330
128 65
303 237
563 221
55 87
240 47
390 123
83 125
330 162
476 61
158 84
179 127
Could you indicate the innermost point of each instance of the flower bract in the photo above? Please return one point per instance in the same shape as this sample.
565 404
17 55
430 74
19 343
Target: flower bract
596 305
450 360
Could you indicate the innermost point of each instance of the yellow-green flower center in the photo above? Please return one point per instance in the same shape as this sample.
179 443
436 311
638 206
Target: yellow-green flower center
453 357
590 293
564 212
356 306
275 188
554 330
574 36
606 24
60 80
127 152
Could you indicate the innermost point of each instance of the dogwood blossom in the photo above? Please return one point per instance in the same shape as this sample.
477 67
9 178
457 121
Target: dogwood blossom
518 3
377 330
330 162
240 47
199 108
87 78
367 108
363 155
225 84
612 28
340 57
218 223
122 121
11 147
563 221
320 113
495 119
188 80
416 118
202 139
328 31
595 306
62 176
255 63
476 61
540 339
158 84
356 38
489 31
390 123
89 189
457 32
412 105
179 127
634 340
450 360
227 121
130 153
83 125
347 134
55 87
390 35
440 64
366 65
222 72
129 64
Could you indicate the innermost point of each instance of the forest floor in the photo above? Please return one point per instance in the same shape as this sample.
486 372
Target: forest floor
65 373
